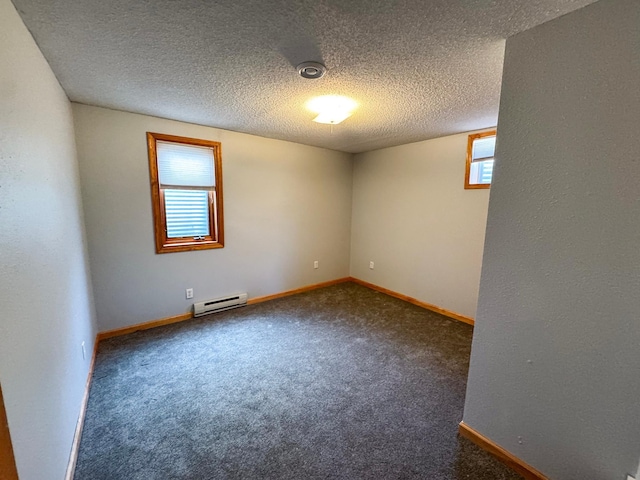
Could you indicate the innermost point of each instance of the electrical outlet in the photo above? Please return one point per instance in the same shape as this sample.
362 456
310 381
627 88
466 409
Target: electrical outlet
315 264
84 352
371 265
189 292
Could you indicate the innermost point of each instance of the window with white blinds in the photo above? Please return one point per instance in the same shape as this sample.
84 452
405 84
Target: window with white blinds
185 165
480 159
187 213
187 192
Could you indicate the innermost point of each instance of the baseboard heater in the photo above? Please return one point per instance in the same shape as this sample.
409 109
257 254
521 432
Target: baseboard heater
219 304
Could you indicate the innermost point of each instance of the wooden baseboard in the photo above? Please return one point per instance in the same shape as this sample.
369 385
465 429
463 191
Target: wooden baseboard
187 316
8 469
144 326
266 298
510 460
75 446
428 306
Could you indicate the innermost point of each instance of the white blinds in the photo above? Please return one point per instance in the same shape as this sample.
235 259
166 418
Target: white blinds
190 169
185 165
486 171
484 147
187 213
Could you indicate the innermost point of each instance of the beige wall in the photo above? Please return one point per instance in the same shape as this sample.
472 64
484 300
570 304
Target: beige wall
285 205
46 309
555 361
413 218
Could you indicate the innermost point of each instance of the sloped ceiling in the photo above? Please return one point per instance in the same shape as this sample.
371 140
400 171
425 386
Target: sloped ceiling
418 68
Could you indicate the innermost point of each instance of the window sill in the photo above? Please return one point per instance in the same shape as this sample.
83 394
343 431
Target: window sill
188 246
477 186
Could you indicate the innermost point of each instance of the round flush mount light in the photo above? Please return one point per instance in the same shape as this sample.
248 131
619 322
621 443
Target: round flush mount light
311 70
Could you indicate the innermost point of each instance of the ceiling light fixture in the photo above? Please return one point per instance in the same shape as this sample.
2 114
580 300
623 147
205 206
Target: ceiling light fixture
311 70
332 109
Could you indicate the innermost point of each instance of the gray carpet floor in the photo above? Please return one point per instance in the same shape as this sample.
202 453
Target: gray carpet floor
337 383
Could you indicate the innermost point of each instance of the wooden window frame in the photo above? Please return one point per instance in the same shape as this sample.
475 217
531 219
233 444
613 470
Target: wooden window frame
215 239
467 174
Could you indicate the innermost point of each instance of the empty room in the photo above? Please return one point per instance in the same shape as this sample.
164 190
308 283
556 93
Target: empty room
332 239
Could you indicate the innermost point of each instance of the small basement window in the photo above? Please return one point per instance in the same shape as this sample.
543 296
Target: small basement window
186 192
480 157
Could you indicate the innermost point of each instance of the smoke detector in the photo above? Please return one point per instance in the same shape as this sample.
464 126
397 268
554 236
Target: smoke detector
311 70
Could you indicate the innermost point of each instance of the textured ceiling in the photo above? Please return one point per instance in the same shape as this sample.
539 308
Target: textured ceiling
418 68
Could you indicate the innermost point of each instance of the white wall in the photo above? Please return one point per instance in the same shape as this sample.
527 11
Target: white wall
414 219
285 205
45 300
555 357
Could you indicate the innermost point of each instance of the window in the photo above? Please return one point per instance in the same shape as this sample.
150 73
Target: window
480 151
186 191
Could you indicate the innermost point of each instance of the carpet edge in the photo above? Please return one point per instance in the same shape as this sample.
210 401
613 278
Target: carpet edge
75 444
510 460
415 301
295 291
189 315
